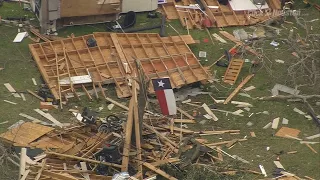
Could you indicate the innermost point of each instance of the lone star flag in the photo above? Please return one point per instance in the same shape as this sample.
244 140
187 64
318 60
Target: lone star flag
165 96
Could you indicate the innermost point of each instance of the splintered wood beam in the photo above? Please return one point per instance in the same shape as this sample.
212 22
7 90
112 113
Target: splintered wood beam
160 135
121 53
238 88
137 129
118 104
35 95
158 171
127 140
185 113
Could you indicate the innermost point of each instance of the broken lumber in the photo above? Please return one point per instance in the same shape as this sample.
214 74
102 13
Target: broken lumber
84 159
49 117
127 139
238 88
159 171
208 110
23 155
116 103
35 95
185 113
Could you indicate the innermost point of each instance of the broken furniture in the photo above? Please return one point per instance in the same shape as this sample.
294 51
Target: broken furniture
69 63
221 15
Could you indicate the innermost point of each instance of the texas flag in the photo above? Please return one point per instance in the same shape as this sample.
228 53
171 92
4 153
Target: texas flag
165 96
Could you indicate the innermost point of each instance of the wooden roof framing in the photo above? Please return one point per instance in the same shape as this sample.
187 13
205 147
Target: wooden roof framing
223 16
112 61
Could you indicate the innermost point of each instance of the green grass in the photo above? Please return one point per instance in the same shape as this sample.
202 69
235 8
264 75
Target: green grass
19 68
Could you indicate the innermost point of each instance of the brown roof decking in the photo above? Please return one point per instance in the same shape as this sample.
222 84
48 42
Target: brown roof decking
112 61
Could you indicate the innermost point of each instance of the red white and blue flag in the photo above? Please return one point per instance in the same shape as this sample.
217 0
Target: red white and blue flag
165 96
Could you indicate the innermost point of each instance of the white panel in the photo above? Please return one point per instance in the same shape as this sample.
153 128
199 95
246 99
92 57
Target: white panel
242 5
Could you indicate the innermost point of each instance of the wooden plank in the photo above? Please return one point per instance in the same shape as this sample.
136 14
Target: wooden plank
127 139
23 97
120 52
35 95
26 133
185 113
159 171
191 121
137 129
116 103
49 117
12 90
59 176
313 150
36 33
238 88
10 102
34 120
160 135
84 159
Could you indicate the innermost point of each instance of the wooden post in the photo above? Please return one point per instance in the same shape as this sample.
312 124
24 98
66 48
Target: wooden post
127 143
23 155
137 130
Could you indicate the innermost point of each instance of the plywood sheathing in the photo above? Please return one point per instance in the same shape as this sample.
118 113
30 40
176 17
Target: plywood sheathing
112 60
25 133
223 16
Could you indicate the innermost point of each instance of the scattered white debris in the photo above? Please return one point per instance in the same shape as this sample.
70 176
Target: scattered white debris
285 121
308 142
249 124
186 101
110 106
278 164
313 136
241 104
247 109
202 54
263 171
207 116
268 125
219 38
17 124
202 122
275 123
249 88
244 95
251 114
274 43
20 37
239 111
34 81
279 61
100 108
267 148
240 159
279 87
10 102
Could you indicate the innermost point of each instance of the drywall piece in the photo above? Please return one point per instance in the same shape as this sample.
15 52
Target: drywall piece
313 136
246 5
12 90
275 123
285 121
208 110
278 87
268 125
278 164
20 37
219 38
287 132
249 88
